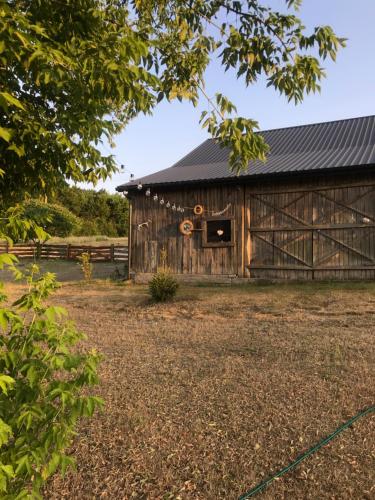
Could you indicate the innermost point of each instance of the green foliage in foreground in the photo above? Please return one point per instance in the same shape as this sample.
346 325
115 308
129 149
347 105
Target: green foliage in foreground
75 72
55 219
41 379
15 226
42 375
163 286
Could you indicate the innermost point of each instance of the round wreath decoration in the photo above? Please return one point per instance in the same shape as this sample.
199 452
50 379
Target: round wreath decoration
186 227
198 209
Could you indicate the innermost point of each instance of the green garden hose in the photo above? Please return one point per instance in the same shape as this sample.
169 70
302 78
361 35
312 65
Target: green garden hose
261 486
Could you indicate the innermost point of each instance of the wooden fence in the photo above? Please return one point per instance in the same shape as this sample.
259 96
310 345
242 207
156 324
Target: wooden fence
111 253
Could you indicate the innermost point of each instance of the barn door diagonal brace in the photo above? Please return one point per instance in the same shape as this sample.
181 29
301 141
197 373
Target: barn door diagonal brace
328 256
281 211
347 207
295 200
274 245
348 247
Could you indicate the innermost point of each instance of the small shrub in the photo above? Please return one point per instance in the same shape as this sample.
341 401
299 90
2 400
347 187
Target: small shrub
163 286
86 265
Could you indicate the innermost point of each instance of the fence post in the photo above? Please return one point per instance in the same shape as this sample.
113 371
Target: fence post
112 252
68 251
38 250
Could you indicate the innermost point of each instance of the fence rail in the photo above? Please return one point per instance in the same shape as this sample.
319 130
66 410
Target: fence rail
110 253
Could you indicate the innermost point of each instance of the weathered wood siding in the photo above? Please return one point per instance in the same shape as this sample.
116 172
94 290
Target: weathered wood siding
320 227
185 254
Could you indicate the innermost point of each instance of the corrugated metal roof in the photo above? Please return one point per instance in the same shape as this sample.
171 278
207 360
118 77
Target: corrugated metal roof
338 144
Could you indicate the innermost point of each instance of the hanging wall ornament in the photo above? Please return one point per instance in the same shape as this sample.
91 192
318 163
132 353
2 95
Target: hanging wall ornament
145 224
217 214
139 187
198 209
167 204
125 193
148 192
186 227
162 201
174 207
155 197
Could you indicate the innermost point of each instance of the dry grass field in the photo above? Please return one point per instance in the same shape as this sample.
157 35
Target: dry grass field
89 240
97 240
209 394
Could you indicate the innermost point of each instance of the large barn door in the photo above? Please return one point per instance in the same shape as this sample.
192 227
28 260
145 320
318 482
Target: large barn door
316 234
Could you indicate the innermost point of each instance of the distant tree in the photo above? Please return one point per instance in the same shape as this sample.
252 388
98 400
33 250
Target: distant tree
55 219
100 212
119 213
75 72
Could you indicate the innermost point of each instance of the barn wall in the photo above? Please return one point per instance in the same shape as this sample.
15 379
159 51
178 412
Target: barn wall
320 227
185 254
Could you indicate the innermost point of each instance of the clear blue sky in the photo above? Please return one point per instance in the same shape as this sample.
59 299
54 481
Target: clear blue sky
152 143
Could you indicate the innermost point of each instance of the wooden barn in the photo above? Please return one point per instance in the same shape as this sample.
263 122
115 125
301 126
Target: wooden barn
307 213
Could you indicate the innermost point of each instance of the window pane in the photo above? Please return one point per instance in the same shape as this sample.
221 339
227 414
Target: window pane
219 231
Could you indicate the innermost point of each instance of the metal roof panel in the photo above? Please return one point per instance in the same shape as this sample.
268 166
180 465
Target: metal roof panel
338 144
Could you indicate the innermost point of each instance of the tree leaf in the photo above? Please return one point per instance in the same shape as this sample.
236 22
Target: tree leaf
12 100
6 133
5 432
6 383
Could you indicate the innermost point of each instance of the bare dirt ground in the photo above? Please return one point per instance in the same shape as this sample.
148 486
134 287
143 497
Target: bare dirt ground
208 395
67 270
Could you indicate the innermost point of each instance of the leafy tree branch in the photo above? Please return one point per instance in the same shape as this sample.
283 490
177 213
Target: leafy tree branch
76 72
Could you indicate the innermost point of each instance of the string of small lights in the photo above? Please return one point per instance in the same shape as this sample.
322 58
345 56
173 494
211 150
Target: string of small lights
171 205
160 199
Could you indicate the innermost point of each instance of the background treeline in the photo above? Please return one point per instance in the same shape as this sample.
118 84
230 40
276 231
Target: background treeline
73 211
98 212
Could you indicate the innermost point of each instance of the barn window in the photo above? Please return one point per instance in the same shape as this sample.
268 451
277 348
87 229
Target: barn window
218 232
